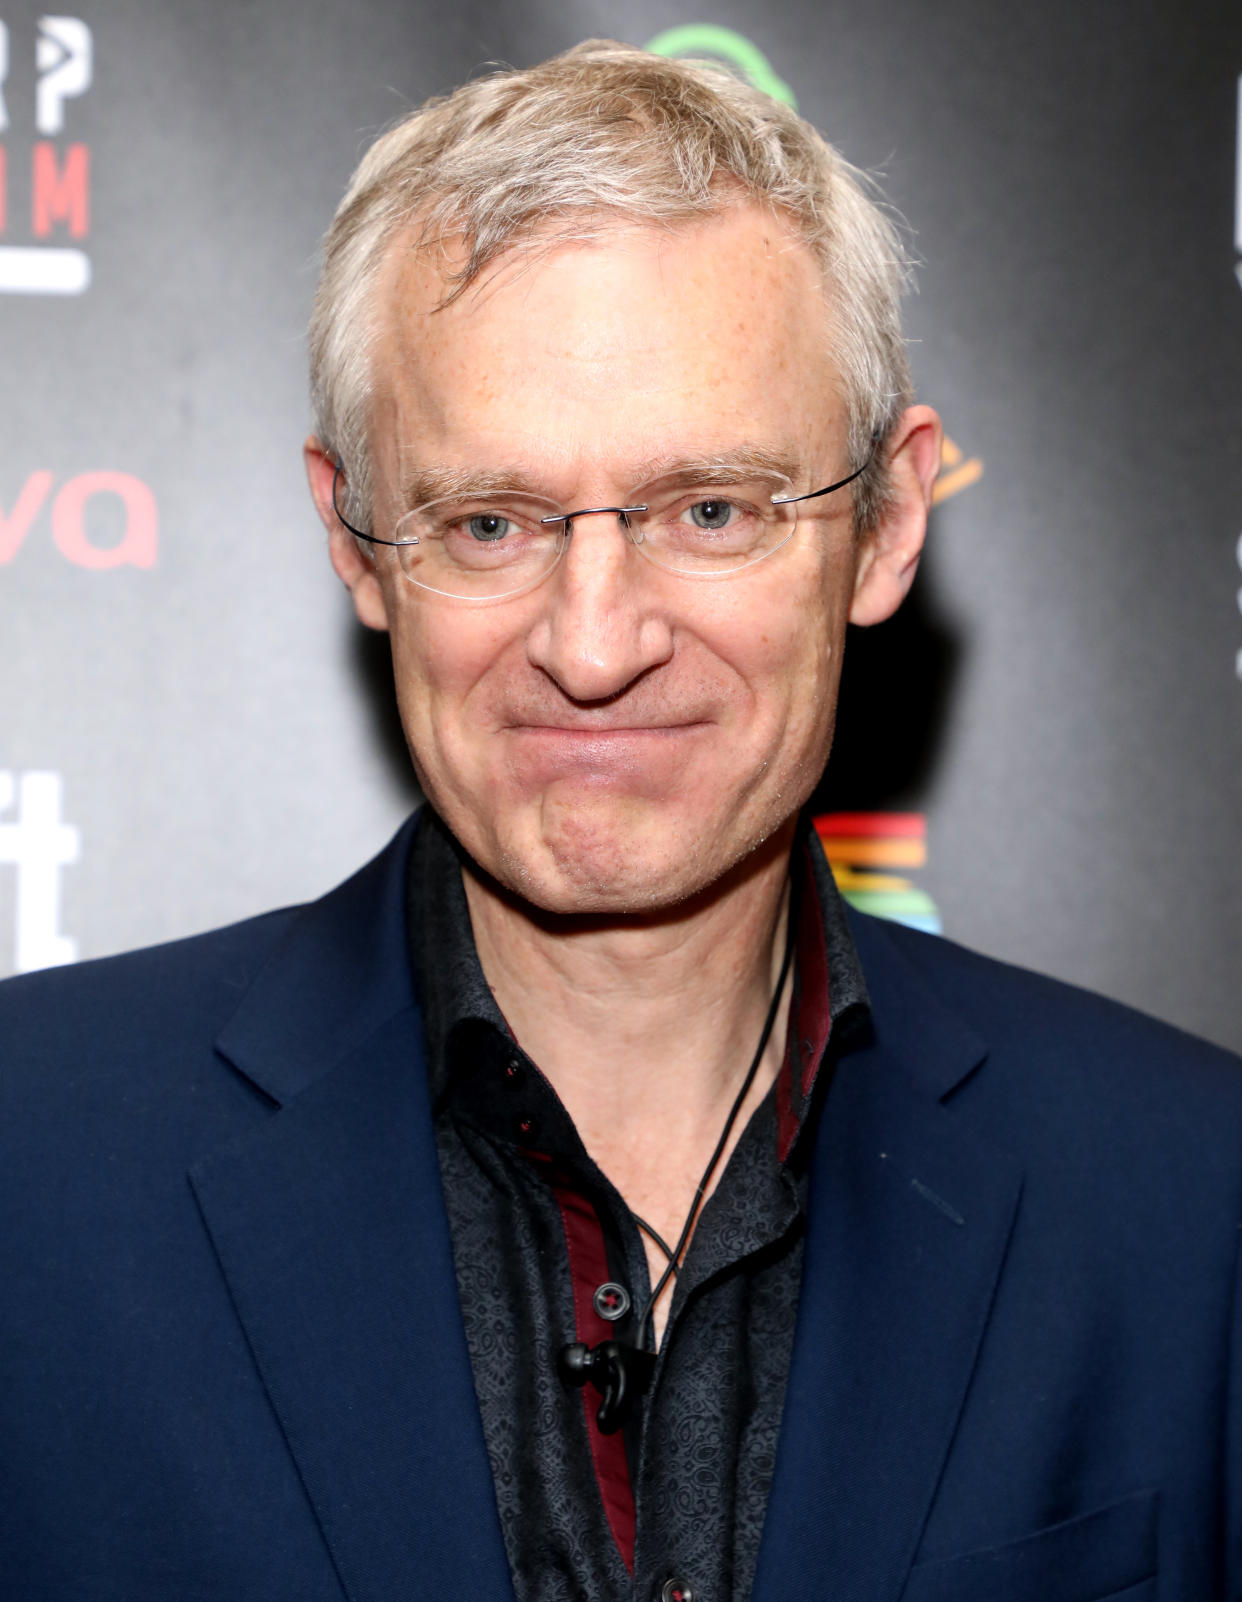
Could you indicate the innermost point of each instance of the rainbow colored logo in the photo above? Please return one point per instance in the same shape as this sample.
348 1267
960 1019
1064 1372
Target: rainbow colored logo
862 846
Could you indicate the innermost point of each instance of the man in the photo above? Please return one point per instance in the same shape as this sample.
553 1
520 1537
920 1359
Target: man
577 1203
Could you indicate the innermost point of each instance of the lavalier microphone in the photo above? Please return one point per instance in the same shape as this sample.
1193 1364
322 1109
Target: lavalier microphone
618 1371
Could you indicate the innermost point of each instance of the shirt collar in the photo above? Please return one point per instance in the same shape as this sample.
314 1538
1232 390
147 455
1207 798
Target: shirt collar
460 1011
448 976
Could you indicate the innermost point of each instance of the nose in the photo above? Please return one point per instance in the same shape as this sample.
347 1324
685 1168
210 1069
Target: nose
602 625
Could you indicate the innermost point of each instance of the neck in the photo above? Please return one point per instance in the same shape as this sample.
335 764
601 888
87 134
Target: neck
646 1026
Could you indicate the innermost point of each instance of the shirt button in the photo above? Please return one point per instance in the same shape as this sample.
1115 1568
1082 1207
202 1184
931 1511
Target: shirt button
612 1301
677 1591
515 1074
527 1131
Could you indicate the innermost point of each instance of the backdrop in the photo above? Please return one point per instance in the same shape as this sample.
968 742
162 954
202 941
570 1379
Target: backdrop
1041 754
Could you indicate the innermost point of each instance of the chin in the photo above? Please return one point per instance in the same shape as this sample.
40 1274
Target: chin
597 890
606 861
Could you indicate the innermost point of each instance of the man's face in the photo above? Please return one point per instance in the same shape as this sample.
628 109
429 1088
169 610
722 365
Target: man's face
619 737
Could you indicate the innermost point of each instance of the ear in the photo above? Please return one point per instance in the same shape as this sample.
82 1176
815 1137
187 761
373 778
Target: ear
890 551
355 571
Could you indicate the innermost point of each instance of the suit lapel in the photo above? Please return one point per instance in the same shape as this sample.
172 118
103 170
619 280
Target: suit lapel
329 1225
909 1219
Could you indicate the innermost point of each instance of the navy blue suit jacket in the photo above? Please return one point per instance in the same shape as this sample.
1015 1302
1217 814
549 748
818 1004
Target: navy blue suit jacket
232 1365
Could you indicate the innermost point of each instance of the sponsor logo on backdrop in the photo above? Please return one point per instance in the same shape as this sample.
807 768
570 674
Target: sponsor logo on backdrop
34 258
957 472
36 845
95 520
704 41
863 847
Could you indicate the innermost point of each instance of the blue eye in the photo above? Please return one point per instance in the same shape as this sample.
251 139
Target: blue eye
711 514
489 526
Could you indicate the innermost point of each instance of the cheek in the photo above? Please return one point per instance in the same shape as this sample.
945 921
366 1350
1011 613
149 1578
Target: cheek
811 671
795 672
795 662
442 657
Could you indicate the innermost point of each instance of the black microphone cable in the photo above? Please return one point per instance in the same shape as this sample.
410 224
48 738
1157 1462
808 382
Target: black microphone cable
674 1257
619 1371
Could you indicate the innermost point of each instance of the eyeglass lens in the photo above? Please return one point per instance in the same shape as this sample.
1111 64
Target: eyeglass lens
502 544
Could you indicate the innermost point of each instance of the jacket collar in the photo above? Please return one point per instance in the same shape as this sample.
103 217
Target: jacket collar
340 972
937 1049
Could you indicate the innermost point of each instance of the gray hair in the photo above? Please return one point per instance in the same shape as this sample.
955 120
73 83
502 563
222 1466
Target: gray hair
604 132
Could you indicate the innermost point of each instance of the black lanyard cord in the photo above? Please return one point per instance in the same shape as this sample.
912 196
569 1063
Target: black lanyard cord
674 1257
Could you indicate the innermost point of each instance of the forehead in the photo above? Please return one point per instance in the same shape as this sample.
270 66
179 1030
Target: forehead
714 331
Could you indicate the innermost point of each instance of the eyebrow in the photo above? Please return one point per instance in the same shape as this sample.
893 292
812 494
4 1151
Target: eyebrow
753 461
419 485
422 484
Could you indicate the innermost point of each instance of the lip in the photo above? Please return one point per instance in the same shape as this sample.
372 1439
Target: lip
602 731
628 753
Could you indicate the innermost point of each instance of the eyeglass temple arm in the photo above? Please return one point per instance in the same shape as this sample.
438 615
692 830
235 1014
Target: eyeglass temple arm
789 500
372 539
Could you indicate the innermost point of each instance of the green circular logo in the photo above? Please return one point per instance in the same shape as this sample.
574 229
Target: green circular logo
699 40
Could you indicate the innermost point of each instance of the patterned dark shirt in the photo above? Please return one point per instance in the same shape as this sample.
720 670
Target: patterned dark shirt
547 1252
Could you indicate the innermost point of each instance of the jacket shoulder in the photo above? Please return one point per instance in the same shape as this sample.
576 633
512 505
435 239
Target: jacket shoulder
1004 1000
182 988
1060 1067
138 1042
109 1076
172 995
